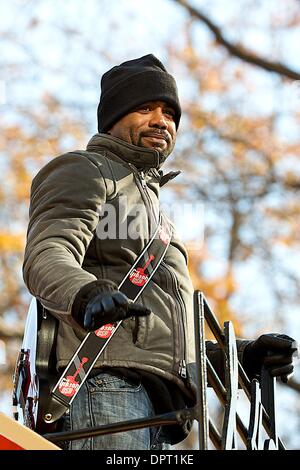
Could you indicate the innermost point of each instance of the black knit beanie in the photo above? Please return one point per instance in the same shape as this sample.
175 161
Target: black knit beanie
132 83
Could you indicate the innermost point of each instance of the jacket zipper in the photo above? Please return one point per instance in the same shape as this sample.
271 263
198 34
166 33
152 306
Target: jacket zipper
141 175
182 362
142 185
141 181
182 370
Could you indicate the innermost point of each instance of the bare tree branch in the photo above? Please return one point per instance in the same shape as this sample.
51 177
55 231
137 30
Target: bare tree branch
238 50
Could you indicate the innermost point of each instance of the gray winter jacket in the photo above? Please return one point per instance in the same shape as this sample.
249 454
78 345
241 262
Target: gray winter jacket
66 249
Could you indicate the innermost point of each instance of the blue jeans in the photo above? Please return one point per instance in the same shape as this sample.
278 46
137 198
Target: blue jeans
106 399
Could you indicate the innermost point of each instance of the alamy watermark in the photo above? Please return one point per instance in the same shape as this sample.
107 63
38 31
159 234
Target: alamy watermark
123 220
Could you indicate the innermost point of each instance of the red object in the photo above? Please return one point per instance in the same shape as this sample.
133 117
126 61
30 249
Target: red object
7 444
69 385
138 276
105 331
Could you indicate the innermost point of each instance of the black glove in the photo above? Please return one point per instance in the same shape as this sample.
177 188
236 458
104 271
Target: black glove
274 351
110 307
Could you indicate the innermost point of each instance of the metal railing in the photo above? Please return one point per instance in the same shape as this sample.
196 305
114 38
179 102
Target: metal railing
260 395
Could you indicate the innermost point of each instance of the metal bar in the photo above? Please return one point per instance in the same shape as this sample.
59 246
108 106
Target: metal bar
232 385
216 384
268 398
215 436
255 418
201 376
176 417
243 379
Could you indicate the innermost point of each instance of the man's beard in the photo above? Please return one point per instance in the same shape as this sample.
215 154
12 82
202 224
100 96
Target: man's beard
163 152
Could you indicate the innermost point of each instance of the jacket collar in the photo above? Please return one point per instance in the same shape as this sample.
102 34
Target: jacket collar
139 156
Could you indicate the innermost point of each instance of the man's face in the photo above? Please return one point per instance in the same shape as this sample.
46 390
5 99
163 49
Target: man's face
150 125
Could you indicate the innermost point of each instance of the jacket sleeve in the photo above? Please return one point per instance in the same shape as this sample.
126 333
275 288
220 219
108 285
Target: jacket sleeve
65 199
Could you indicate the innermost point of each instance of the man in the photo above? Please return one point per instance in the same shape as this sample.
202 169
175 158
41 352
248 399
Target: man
76 258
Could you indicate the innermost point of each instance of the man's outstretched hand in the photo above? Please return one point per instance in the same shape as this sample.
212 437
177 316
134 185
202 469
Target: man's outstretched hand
110 308
274 351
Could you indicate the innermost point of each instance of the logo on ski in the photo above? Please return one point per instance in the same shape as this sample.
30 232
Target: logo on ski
138 276
68 386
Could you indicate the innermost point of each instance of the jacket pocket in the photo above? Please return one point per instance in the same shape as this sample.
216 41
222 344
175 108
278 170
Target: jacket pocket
179 320
131 327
